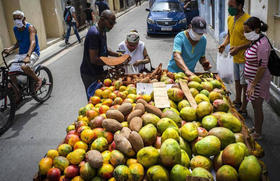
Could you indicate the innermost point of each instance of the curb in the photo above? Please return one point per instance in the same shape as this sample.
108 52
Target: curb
82 37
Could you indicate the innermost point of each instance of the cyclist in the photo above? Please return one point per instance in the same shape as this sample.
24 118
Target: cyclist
29 51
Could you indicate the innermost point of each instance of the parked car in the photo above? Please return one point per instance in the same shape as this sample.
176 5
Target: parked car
166 17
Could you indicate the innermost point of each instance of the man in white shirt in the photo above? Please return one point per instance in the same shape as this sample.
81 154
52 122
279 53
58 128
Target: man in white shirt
71 20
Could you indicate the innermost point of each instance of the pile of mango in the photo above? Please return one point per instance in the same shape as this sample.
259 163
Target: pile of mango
121 136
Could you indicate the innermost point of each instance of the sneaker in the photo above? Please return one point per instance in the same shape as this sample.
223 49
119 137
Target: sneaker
67 43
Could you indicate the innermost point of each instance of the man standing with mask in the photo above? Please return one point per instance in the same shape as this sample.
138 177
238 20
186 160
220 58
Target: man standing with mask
96 46
29 50
238 45
189 48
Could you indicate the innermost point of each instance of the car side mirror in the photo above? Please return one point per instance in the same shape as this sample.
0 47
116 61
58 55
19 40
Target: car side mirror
147 9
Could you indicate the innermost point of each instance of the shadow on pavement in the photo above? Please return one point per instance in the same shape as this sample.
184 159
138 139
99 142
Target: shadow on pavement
22 118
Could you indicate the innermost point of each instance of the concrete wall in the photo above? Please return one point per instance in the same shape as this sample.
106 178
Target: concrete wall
260 9
4 33
33 13
52 12
9 6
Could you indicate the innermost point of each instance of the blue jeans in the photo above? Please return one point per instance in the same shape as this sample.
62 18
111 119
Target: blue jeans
69 25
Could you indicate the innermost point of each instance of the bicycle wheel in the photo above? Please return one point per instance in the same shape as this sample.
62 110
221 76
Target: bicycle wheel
7 111
45 91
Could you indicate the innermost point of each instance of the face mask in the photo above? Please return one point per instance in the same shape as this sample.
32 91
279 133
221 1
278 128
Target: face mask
18 23
232 11
252 36
194 36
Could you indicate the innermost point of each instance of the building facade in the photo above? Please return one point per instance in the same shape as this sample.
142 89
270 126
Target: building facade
215 12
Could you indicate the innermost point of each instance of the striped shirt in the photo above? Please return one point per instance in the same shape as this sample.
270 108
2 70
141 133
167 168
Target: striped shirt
257 56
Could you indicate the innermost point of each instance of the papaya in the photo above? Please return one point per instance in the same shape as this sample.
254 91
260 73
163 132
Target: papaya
170 153
179 173
157 173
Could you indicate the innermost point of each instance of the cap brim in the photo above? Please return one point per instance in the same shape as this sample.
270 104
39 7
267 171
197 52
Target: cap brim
200 31
112 61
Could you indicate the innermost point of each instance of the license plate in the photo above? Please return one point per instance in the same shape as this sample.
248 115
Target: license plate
166 29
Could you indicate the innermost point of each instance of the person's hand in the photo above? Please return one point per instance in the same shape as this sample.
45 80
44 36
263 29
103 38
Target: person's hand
26 59
127 61
250 90
77 24
189 73
206 65
206 68
138 62
233 51
221 48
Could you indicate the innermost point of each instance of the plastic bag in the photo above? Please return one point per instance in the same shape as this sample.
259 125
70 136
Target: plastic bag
131 69
92 88
225 68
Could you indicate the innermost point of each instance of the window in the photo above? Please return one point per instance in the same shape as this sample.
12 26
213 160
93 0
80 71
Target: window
167 6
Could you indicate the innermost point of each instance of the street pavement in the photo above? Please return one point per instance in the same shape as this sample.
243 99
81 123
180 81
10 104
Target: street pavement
38 128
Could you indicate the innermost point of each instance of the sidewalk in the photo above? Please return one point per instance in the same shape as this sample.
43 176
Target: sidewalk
271 125
59 46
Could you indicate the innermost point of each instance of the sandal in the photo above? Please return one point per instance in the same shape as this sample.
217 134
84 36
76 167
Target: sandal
237 104
256 136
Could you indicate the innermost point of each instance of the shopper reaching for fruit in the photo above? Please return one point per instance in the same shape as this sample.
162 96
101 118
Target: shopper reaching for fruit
137 51
189 48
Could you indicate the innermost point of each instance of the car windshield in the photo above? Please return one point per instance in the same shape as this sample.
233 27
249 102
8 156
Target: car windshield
166 6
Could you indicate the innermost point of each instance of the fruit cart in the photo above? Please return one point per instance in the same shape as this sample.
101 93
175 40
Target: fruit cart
120 135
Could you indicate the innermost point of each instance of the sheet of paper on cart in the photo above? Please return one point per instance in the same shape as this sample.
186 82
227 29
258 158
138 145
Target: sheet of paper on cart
147 88
160 95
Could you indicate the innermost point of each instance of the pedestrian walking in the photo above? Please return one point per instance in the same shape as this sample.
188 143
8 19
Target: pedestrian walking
238 45
90 19
137 51
137 2
29 51
71 20
189 48
191 10
256 71
101 6
95 46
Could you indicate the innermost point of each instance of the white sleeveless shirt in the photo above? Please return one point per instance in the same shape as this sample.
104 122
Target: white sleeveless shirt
135 55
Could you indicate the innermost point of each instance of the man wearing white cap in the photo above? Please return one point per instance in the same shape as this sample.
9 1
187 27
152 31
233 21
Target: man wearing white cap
137 51
189 48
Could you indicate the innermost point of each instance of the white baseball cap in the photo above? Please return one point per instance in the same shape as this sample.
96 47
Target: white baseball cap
133 37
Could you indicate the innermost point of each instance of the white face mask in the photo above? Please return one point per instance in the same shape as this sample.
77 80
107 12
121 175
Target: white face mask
252 36
18 23
194 36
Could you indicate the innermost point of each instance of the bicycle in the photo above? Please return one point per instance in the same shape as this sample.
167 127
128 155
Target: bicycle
26 86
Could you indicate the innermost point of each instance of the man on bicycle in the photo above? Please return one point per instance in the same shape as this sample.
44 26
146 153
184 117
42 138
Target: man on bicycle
29 50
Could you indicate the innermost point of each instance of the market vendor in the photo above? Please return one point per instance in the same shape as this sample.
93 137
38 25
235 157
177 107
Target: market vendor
137 51
189 48
95 46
